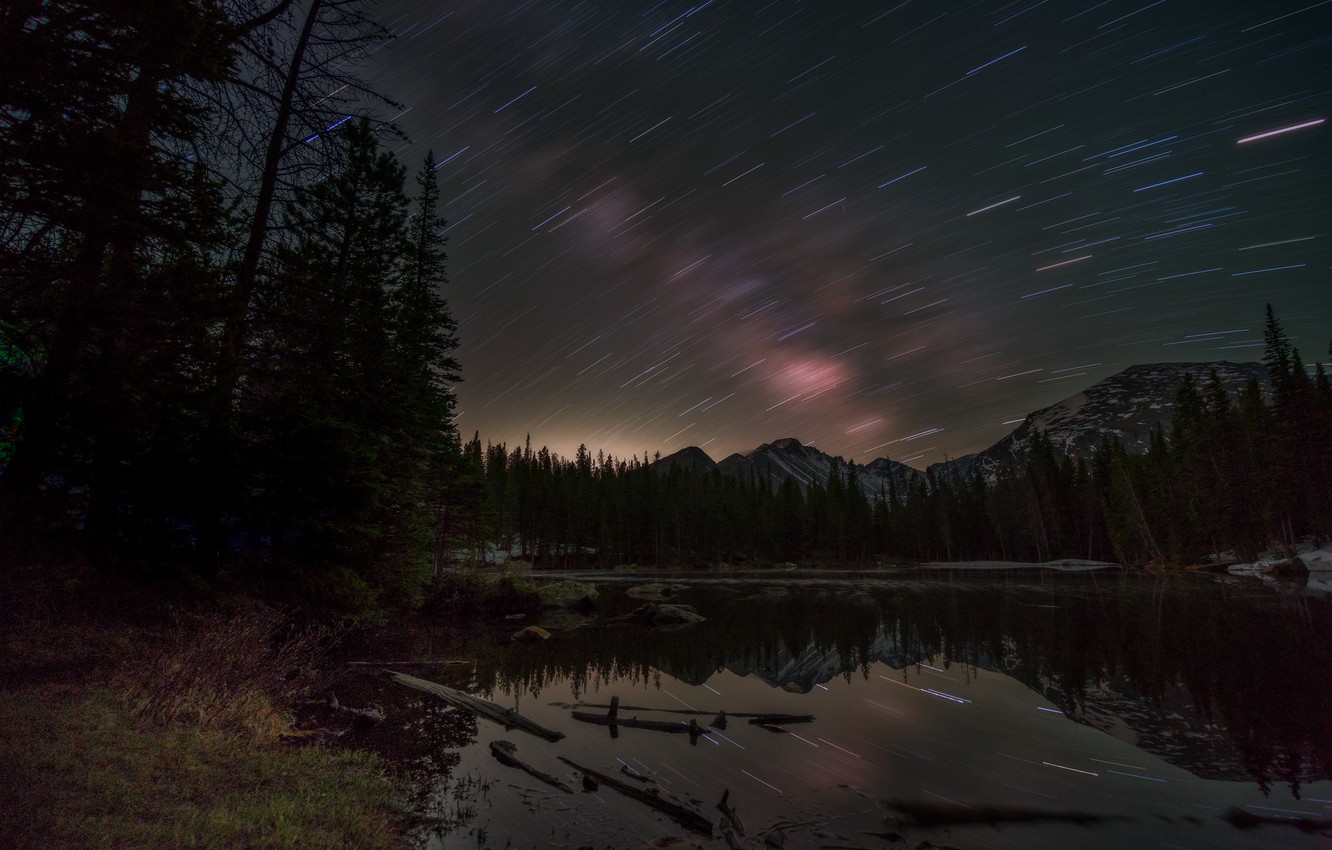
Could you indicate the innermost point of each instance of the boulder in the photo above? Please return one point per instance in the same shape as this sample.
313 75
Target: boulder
654 592
531 634
567 594
665 616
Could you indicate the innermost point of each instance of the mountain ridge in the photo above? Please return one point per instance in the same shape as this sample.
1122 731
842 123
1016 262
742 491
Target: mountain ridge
1126 406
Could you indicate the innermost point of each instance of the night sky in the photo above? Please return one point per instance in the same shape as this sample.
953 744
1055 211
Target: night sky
886 229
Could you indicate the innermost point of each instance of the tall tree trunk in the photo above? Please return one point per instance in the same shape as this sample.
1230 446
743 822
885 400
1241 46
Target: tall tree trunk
218 466
47 400
113 374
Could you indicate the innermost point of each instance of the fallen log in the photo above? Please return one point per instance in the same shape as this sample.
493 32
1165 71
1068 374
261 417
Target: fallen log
615 722
728 833
729 813
372 715
778 719
797 718
634 774
507 717
691 727
503 751
683 815
405 663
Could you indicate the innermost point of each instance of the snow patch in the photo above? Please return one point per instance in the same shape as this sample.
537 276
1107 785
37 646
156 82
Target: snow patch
1066 565
1315 560
1318 559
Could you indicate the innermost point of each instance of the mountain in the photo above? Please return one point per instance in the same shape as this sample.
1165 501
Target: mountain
789 458
1126 406
690 457
1169 728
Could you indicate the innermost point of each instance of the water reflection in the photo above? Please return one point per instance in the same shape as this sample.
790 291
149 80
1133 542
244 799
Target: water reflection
941 711
1227 682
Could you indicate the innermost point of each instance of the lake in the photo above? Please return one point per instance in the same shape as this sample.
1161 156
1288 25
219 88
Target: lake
1009 710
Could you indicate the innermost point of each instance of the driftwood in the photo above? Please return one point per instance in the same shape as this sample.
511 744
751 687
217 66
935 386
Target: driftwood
683 815
691 727
634 774
759 715
503 751
612 719
507 717
728 833
779 719
404 663
368 715
729 813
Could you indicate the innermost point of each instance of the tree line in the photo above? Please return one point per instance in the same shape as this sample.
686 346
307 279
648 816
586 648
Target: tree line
1231 475
222 327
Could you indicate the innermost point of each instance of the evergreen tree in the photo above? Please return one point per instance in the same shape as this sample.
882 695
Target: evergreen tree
290 86
109 229
425 338
335 397
1276 355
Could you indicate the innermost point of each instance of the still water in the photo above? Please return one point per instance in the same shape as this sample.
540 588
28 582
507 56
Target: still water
1002 711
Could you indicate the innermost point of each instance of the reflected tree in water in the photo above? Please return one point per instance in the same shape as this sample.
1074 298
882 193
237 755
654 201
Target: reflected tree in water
1220 680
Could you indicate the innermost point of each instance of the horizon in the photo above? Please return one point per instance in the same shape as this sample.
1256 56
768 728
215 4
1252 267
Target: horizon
717 457
880 228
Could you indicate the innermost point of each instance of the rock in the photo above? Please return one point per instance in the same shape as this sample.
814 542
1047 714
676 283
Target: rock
567 594
1292 568
563 620
665 616
654 592
661 617
531 634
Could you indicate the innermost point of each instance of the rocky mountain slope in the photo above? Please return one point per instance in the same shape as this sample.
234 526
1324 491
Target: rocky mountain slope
789 458
1126 407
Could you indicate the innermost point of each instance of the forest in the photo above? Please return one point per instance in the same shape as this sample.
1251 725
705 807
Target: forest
1231 475
225 344
223 339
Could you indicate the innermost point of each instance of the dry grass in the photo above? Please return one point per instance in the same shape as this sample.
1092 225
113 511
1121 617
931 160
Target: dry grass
121 732
236 673
80 773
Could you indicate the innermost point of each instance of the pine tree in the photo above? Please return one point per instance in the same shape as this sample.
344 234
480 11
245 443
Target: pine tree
290 85
104 256
1276 355
424 341
331 398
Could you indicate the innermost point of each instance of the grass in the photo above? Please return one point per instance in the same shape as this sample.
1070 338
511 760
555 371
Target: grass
81 773
155 716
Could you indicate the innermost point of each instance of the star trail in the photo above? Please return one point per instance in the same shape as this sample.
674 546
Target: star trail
882 228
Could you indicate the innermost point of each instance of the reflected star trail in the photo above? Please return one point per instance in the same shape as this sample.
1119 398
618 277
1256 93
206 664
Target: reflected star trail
720 223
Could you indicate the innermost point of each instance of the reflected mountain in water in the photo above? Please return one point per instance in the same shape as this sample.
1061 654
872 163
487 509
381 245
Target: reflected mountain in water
1226 682
1170 728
